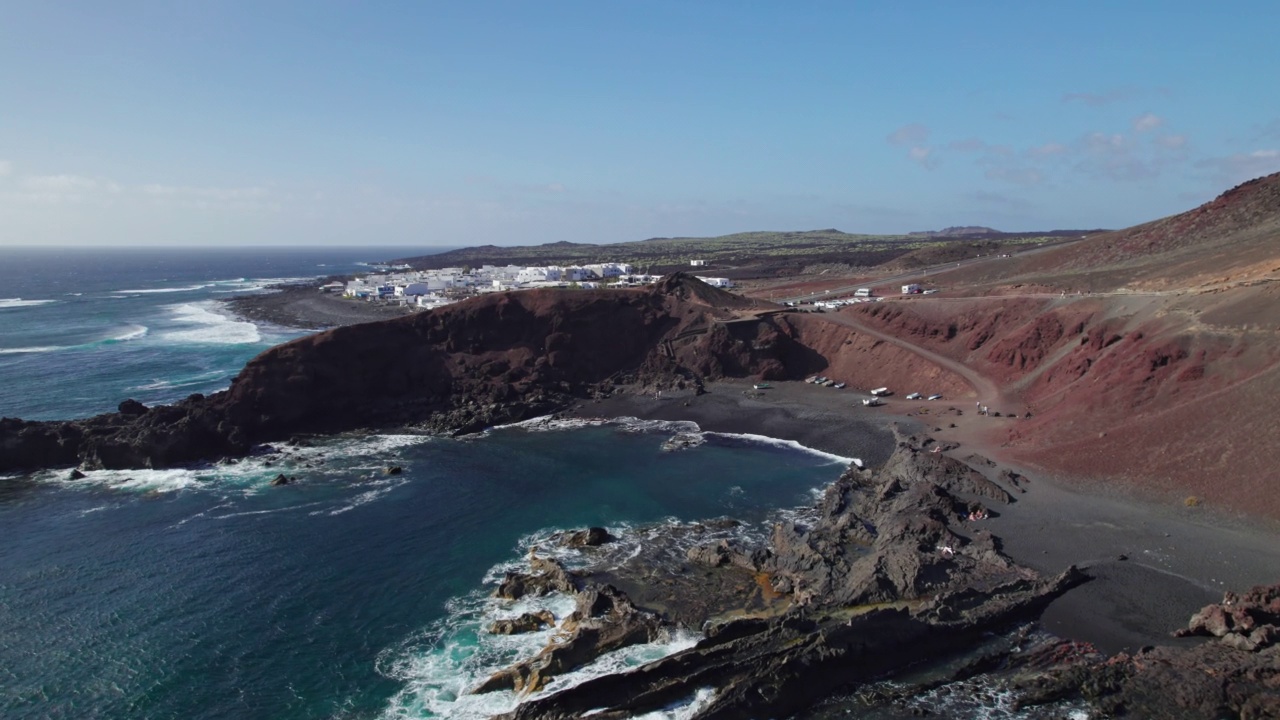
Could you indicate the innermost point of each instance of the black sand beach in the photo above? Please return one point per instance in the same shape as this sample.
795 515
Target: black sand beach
1153 565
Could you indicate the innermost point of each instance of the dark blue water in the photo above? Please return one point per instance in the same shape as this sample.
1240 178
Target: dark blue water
207 593
82 329
211 594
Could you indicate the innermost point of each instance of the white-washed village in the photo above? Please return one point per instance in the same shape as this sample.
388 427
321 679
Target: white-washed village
432 288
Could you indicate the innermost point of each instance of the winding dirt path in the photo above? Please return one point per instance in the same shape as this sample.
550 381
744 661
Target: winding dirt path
985 389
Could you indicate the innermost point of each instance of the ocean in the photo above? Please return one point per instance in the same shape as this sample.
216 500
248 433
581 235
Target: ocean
208 593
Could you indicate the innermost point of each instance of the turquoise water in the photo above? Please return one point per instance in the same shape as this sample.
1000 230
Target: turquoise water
207 593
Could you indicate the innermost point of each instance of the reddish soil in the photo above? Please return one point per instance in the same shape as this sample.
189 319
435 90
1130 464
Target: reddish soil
1146 357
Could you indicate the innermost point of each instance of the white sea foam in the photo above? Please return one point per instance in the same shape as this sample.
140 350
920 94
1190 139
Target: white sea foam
207 326
551 423
789 444
636 425
379 489
175 383
128 332
984 698
441 664
156 291
7 303
40 349
345 457
134 480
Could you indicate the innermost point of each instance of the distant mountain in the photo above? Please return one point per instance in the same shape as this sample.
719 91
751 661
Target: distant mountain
960 231
773 249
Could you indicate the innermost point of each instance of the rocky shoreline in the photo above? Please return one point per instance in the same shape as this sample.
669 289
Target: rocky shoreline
888 571
883 579
305 307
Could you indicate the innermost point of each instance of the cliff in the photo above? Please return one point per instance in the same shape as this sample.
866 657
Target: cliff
489 360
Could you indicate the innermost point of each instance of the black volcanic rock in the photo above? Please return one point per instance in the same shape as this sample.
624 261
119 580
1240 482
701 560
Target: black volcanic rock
1236 674
873 581
493 359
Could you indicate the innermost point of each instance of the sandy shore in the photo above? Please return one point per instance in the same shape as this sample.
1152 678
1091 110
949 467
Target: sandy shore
1175 559
821 418
303 306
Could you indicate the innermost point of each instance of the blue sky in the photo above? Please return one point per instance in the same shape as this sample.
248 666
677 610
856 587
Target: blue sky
432 123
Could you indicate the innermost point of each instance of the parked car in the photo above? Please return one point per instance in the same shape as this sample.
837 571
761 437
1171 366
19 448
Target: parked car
914 396
935 396
838 386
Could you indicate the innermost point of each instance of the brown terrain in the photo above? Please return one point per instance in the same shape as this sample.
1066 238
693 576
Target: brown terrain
1147 358
1142 360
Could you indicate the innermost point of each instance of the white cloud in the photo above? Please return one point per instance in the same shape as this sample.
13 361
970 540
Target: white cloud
1243 166
205 193
1047 150
59 183
1015 175
1172 142
1147 122
1102 142
998 200
6 168
913 134
924 156
967 145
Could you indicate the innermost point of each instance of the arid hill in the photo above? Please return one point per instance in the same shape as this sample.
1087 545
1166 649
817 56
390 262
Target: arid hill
1147 357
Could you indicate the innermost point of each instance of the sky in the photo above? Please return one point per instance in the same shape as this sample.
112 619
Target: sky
462 123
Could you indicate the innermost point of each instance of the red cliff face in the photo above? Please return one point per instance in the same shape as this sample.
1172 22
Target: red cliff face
492 359
500 353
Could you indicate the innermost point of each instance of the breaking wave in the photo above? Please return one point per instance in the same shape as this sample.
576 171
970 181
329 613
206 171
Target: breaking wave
207 326
551 423
7 303
441 664
39 349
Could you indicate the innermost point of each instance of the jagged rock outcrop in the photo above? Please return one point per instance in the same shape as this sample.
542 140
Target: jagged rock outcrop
1236 674
877 578
887 535
777 667
603 620
525 623
548 576
591 537
493 359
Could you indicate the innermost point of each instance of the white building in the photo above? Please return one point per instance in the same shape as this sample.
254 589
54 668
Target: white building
608 270
716 282
539 274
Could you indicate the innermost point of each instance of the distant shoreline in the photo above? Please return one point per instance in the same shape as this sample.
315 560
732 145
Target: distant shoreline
303 306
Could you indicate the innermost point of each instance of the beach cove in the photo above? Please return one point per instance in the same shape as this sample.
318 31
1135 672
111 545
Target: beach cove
731 417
